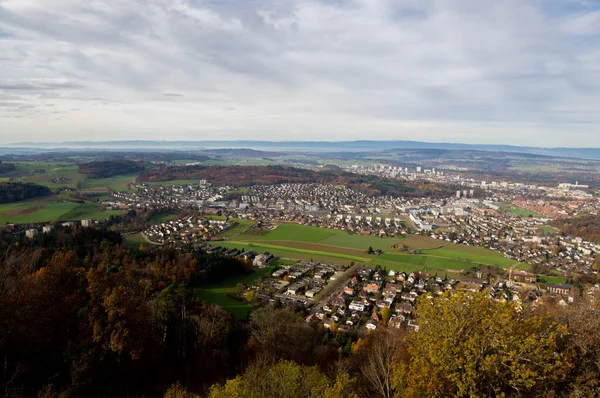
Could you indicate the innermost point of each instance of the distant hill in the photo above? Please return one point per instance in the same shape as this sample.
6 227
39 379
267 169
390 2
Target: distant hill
300 146
109 168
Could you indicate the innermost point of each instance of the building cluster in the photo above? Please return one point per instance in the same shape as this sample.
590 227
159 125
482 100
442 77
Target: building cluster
187 231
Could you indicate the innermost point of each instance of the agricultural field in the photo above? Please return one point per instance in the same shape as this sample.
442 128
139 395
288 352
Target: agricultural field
56 176
219 292
34 211
48 209
299 242
89 210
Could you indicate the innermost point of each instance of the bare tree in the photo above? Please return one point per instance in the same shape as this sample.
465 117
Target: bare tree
384 349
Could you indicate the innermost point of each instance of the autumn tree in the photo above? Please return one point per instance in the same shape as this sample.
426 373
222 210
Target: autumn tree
283 379
377 357
470 345
277 334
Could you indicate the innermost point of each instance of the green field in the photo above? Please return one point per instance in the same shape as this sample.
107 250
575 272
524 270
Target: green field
34 211
302 242
239 228
133 241
219 292
361 242
292 253
47 209
55 208
555 280
92 211
298 233
163 217
521 212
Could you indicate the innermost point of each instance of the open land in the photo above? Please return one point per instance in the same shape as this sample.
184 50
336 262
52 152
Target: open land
303 242
219 293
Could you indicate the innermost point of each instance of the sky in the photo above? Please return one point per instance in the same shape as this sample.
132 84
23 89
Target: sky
520 72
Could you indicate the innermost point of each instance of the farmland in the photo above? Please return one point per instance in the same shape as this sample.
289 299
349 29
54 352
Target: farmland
48 209
418 252
58 176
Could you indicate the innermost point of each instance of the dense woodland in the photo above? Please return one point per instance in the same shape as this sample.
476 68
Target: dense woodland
109 168
6 167
253 175
586 227
15 191
80 315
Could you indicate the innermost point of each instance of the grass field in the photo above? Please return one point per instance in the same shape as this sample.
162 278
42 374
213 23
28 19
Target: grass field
239 228
219 292
92 211
552 279
302 242
48 209
521 212
292 253
115 183
163 217
34 211
133 241
298 233
52 208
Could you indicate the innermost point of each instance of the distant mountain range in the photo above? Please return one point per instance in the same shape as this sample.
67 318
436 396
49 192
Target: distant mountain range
294 146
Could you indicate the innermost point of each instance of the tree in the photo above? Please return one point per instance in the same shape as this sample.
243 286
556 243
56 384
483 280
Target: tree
386 313
469 345
377 357
177 391
276 334
283 379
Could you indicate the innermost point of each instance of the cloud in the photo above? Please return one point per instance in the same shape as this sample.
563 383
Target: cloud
516 71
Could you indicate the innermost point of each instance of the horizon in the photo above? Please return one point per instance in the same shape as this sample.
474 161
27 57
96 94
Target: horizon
290 141
509 73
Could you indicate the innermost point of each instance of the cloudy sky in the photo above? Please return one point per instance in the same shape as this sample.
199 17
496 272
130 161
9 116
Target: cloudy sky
506 71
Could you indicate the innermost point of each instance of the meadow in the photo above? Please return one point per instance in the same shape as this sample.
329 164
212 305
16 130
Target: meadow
55 208
423 253
219 292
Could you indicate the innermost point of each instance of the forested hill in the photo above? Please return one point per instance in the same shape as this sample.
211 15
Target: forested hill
267 175
15 191
6 167
585 227
109 168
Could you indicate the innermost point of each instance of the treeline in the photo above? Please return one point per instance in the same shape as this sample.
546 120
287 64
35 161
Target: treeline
109 168
268 175
585 227
6 167
15 191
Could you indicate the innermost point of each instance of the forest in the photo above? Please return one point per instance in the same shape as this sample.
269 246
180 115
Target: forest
268 175
109 168
586 227
6 167
81 315
15 191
